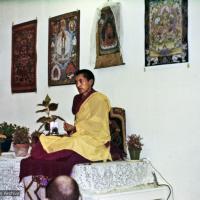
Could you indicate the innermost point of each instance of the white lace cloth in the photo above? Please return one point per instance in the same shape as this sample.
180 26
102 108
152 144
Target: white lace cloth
112 176
110 179
9 178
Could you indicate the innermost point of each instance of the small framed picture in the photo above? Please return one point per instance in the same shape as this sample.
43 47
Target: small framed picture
54 127
63 48
24 57
166 32
108 52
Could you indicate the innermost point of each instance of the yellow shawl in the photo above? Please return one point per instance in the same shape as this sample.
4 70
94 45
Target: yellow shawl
92 131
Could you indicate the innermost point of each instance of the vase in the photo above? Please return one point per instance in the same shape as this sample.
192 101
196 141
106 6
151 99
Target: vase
21 150
5 146
134 154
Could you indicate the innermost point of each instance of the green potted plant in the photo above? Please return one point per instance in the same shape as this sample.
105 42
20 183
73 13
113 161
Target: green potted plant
134 146
7 129
2 139
48 107
21 141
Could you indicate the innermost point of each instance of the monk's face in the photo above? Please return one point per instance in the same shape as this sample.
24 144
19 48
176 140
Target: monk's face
83 85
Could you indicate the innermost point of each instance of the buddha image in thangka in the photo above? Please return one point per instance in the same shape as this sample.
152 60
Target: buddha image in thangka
63 46
165 31
108 38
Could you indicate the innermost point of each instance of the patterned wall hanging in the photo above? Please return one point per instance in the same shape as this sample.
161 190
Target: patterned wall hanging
63 58
23 73
108 50
166 31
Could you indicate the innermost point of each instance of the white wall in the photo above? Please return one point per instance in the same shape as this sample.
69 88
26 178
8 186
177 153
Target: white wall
162 104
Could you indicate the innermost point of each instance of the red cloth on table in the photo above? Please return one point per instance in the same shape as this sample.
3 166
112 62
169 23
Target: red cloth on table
50 165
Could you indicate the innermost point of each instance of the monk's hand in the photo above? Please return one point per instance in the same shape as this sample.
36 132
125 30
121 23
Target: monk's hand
107 144
70 129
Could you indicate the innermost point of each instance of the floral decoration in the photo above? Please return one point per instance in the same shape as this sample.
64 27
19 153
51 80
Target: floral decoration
134 142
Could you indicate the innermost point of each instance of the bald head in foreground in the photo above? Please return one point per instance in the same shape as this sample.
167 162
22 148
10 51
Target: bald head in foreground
62 188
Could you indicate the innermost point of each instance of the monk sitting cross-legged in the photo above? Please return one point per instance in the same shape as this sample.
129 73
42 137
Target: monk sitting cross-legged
88 138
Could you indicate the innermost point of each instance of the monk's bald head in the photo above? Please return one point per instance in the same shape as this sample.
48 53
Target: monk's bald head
62 188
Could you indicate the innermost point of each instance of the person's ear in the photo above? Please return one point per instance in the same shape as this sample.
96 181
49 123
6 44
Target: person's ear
91 81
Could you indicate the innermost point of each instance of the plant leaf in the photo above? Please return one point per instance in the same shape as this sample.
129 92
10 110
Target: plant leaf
41 127
53 106
54 117
43 110
44 119
40 104
60 118
47 99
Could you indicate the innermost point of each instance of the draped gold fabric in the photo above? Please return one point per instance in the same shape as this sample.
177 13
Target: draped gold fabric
92 131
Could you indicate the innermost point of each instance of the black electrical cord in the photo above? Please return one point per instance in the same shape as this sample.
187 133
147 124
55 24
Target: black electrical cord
170 191
168 185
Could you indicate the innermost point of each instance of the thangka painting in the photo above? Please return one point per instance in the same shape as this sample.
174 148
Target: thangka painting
63 58
166 31
107 39
23 73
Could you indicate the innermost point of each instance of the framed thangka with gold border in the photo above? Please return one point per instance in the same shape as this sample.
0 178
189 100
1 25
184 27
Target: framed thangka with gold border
63 48
166 32
108 52
23 72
